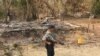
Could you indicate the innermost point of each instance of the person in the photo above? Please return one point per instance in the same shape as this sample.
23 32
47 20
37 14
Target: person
50 39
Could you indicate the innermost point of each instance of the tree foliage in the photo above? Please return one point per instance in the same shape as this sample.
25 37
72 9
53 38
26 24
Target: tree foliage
29 10
96 7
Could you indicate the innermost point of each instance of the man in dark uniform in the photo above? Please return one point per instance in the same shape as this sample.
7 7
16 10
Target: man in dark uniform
50 39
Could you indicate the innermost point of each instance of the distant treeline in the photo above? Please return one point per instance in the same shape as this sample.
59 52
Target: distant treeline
31 9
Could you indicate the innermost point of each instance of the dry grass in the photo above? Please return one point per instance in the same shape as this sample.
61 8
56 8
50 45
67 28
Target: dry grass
64 51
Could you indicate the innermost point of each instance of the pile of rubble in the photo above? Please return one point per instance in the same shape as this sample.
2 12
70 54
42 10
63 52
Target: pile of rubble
23 26
20 32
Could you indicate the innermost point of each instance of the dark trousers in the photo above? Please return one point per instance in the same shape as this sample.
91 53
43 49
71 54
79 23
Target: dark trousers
50 50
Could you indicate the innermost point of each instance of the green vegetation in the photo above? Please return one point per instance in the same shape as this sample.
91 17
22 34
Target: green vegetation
96 7
2 14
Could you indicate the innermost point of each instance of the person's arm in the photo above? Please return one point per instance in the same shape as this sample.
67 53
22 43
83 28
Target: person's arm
44 39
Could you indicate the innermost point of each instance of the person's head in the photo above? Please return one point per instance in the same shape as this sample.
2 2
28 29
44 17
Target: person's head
51 28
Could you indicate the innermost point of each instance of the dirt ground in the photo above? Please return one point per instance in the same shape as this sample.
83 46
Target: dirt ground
92 49
89 49
85 50
86 22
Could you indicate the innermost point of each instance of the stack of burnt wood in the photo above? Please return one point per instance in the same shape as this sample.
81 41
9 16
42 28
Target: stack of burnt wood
15 26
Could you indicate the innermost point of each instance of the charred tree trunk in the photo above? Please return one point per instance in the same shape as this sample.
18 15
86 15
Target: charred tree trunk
31 13
7 5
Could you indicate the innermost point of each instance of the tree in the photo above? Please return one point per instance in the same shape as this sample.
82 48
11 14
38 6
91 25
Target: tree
96 7
7 5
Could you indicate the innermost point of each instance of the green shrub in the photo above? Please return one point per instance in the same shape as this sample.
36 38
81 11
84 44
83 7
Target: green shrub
1 14
96 7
